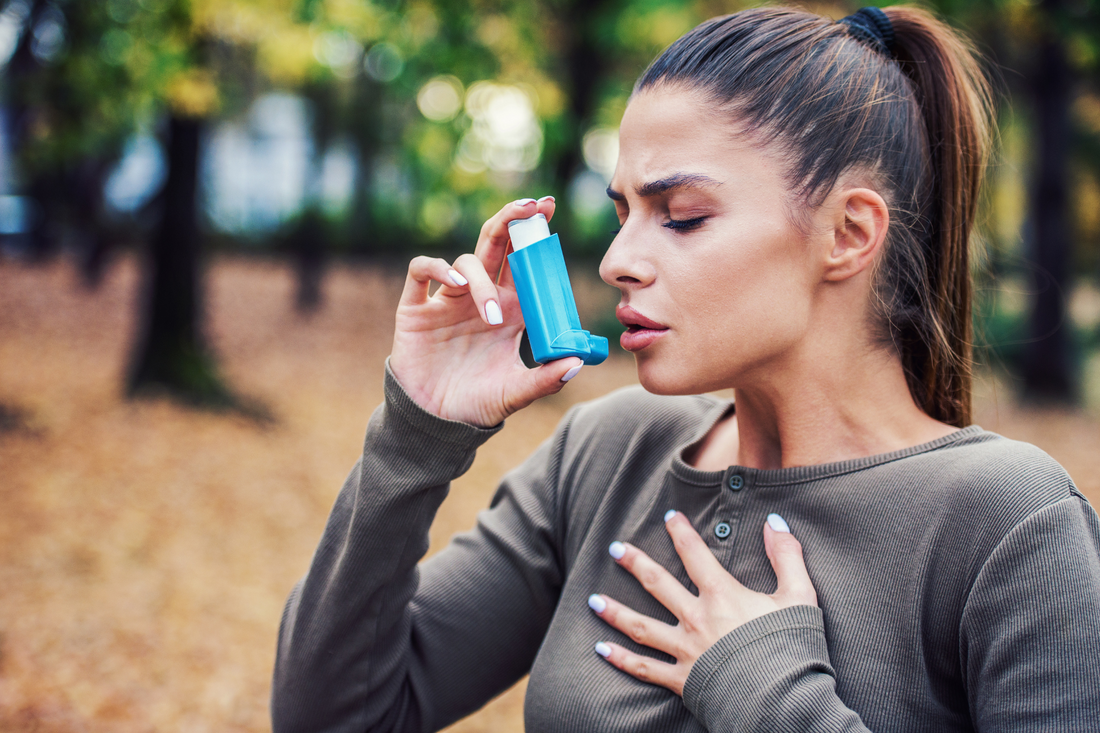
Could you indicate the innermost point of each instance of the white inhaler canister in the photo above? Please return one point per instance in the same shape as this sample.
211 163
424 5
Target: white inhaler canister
546 297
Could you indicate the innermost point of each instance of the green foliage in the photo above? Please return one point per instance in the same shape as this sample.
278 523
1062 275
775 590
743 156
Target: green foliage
409 83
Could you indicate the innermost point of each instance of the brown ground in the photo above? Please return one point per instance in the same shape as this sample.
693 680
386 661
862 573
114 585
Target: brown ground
146 549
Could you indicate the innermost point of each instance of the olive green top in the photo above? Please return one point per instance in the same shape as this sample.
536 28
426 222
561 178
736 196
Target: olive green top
959 584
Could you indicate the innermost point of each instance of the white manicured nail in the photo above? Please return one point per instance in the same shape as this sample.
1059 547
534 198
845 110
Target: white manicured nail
603 649
670 514
777 523
617 550
596 603
546 198
456 278
571 373
524 202
492 313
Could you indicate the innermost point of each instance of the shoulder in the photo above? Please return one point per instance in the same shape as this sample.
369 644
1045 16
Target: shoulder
992 466
992 484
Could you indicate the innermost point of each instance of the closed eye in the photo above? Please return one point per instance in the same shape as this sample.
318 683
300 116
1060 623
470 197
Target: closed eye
682 225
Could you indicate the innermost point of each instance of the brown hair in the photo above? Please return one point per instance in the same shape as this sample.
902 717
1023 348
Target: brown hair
919 122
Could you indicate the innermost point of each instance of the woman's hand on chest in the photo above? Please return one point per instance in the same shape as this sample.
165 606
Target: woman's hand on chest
723 603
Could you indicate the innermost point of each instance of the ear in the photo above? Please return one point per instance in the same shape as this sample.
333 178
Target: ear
859 233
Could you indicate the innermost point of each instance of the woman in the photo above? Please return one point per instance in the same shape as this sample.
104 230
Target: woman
796 197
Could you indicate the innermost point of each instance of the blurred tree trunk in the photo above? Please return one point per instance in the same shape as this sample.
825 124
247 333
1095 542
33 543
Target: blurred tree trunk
308 241
585 66
1048 363
171 354
39 185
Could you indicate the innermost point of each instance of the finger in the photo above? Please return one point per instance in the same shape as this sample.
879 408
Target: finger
702 566
646 669
506 280
541 381
638 627
422 270
785 554
493 241
545 206
654 578
481 287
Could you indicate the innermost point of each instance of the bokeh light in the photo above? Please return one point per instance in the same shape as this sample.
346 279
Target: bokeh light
384 62
441 98
505 135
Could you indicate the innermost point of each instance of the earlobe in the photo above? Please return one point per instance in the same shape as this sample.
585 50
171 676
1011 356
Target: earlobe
862 220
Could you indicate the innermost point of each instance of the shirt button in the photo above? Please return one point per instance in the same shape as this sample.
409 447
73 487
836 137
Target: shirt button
722 530
736 482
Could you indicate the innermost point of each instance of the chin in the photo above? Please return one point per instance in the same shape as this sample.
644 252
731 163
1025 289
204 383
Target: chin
665 379
664 375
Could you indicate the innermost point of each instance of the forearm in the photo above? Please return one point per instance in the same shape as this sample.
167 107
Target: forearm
344 638
773 674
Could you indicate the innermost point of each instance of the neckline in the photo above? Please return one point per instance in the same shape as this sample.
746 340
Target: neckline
798 474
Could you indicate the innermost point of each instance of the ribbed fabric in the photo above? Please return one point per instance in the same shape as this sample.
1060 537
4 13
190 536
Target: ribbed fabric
959 585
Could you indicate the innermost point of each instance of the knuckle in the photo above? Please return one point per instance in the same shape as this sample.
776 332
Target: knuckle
642 669
649 577
710 586
693 620
636 630
466 259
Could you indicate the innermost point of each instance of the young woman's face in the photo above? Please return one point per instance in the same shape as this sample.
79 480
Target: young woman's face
717 284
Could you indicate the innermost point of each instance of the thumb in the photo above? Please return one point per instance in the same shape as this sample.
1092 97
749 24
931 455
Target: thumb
785 553
541 381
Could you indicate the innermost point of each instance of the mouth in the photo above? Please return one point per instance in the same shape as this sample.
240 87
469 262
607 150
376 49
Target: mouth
640 331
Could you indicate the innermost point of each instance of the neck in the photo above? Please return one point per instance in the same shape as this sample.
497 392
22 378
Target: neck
858 406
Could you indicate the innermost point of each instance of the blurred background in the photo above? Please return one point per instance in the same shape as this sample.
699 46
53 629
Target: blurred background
206 209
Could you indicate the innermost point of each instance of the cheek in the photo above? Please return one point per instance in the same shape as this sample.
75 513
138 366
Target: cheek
747 310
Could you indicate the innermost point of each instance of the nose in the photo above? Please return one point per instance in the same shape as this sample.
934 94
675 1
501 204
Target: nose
625 265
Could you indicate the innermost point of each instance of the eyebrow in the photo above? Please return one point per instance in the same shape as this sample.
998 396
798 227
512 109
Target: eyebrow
666 184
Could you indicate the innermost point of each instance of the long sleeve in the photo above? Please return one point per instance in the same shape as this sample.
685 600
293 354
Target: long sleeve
369 641
1030 633
772 674
1029 642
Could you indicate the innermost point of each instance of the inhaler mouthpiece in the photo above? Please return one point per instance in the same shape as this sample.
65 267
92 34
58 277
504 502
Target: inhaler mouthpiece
525 232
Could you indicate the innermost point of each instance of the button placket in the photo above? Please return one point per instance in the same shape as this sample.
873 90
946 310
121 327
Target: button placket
727 520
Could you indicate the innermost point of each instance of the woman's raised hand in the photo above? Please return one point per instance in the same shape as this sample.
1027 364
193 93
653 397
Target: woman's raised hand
457 352
723 603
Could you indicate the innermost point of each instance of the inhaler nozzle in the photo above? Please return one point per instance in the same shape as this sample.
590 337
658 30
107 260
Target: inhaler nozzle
524 232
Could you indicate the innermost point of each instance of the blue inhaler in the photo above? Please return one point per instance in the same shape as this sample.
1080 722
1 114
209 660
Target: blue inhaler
545 296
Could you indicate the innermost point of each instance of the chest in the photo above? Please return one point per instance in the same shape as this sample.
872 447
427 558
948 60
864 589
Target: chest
871 586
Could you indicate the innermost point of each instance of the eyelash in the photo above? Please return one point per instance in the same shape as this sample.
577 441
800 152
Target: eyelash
680 225
684 225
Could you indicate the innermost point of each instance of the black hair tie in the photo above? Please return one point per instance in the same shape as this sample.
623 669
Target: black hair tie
873 27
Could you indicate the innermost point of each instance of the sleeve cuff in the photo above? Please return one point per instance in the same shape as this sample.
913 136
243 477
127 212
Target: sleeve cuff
747 669
403 407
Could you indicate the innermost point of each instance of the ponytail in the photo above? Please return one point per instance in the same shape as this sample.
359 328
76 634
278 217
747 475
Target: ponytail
919 122
956 106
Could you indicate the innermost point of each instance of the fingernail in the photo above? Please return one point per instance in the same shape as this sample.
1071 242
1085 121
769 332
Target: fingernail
670 514
596 603
571 373
776 522
546 198
456 278
603 649
492 313
617 550
524 202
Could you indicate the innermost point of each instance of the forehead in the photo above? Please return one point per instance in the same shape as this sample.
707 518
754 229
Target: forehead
666 130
